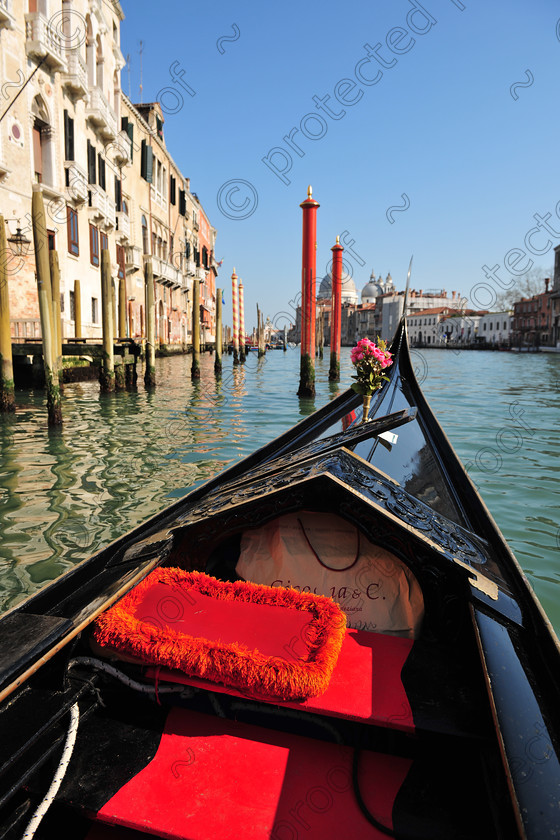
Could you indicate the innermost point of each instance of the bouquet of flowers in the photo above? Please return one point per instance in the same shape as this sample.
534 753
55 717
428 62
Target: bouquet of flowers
370 361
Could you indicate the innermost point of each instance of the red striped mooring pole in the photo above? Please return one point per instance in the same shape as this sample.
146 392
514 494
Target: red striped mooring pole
235 316
308 279
241 323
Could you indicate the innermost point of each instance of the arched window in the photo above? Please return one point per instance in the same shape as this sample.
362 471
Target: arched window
67 23
99 62
90 52
116 96
42 163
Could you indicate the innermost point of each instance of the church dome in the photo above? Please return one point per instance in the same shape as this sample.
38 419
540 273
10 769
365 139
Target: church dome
370 291
349 293
374 288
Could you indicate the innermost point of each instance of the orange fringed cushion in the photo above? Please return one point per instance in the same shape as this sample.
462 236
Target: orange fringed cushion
277 642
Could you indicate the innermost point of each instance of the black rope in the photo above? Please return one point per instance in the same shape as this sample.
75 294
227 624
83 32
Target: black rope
22 88
363 808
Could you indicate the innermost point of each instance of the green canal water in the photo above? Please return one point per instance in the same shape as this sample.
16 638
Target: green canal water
121 458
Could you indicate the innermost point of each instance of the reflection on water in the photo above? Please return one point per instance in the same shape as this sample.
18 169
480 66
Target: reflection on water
121 458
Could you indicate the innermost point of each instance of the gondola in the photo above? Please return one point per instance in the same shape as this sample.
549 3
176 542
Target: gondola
331 639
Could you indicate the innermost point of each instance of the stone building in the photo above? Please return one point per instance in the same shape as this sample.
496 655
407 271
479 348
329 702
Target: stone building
107 178
532 324
555 302
494 329
381 308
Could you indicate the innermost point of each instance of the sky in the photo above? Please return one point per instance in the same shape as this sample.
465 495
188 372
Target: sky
426 129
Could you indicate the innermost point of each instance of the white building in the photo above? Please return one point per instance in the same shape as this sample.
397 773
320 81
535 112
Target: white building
495 328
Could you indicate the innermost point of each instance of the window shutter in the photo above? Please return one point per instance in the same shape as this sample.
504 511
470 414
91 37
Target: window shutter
172 188
101 171
182 203
68 137
118 195
38 154
130 132
91 163
127 126
147 162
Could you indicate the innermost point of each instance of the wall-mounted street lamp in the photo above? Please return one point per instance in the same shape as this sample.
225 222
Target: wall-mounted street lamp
19 242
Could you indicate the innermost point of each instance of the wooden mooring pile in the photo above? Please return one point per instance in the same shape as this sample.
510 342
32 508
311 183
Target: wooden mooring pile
115 356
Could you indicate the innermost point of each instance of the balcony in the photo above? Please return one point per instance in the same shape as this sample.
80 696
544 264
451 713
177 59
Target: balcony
42 39
102 208
120 149
201 273
190 268
7 20
134 261
166 273
123 225
101 115
76 183
75 78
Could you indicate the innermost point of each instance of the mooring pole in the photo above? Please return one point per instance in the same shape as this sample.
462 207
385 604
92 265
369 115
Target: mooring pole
285 338
107 372
336 298
309 253
242 354
122 308
77 309
260 334
195 367
40 242
235 317
123 373
7 396
54 268
150 372
219 339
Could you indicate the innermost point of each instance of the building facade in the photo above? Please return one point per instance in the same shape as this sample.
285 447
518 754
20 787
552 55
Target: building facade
555 302
107 178
532 324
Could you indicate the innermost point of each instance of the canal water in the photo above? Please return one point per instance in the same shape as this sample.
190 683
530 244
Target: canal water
119 459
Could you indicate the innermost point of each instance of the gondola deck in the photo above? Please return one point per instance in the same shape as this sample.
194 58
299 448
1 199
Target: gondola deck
448 729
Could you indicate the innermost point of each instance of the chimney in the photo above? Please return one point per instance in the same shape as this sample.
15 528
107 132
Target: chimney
546 283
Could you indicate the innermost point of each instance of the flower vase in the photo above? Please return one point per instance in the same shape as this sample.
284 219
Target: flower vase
366 403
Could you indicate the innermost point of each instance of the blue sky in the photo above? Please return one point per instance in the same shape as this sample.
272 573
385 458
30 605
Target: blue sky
461 128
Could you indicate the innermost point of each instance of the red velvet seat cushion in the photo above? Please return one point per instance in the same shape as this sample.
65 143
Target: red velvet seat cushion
277 642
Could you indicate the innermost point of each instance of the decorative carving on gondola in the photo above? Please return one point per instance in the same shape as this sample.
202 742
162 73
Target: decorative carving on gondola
242 504
349 438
